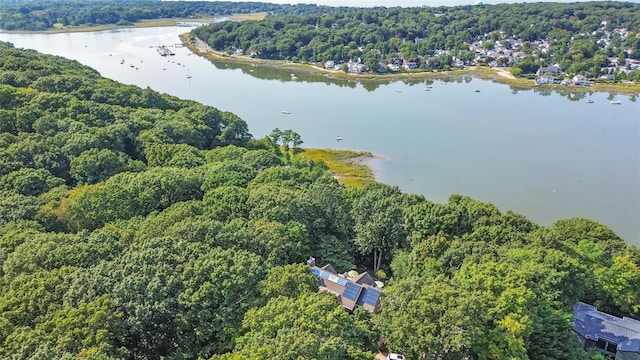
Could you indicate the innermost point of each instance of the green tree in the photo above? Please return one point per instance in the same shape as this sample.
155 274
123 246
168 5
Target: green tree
220 286
94 165
379 225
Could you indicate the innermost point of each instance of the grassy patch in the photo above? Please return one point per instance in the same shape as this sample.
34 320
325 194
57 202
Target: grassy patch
349 167
253 16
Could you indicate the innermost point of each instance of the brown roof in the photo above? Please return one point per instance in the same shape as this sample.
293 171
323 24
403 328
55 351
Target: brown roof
364 278
330 269
351 292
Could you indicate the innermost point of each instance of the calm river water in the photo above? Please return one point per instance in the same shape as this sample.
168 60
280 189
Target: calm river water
542 154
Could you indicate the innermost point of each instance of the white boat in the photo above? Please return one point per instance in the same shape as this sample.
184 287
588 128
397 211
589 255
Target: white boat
188 76
616 102
589 101
286 112
338 138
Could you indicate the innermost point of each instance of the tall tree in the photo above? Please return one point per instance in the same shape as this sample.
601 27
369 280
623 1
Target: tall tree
379 225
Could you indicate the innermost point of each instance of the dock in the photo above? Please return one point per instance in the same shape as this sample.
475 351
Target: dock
165 51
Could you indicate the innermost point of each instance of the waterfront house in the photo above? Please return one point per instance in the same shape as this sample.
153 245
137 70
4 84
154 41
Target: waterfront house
545 80
393 67
410 65
553 70
614 337
329 64
355 67
352 292
579 80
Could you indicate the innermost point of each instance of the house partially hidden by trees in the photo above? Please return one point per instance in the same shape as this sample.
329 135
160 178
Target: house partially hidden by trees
616 338
351 292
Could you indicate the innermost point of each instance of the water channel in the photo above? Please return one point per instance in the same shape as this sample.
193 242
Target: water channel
544 154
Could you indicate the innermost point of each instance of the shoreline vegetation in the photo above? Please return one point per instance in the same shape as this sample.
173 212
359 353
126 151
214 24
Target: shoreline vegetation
498 75
349 167
140 24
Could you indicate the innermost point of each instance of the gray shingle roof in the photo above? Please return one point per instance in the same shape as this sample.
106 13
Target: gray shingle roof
593 324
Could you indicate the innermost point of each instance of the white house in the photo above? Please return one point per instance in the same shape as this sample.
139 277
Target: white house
579 80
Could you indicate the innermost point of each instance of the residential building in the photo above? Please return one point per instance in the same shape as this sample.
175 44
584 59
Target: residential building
616 338
579 80
351 292
553 70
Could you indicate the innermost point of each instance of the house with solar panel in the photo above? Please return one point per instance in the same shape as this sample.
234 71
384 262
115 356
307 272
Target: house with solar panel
351 292
616 338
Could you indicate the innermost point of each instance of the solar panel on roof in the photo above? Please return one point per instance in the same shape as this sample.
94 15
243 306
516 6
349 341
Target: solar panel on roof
329 276
351 291
371 296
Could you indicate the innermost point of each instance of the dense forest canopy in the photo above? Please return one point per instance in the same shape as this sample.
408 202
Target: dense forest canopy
34 15
590 38
137 225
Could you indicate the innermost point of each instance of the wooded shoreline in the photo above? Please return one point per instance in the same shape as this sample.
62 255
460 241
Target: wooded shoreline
497 75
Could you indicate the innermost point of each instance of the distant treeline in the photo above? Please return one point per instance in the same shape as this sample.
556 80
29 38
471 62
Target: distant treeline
42 14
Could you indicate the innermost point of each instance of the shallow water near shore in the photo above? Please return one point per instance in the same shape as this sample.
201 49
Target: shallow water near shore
533 151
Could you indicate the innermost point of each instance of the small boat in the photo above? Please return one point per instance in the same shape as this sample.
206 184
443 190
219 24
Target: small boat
589 101
616 102
338 138
122 61
188 76
132 65
286 112
477 90
398 90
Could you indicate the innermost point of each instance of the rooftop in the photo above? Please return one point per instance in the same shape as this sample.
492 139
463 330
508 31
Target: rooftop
352 292
593 324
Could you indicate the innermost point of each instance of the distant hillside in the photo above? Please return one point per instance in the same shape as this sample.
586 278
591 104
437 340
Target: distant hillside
38 15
